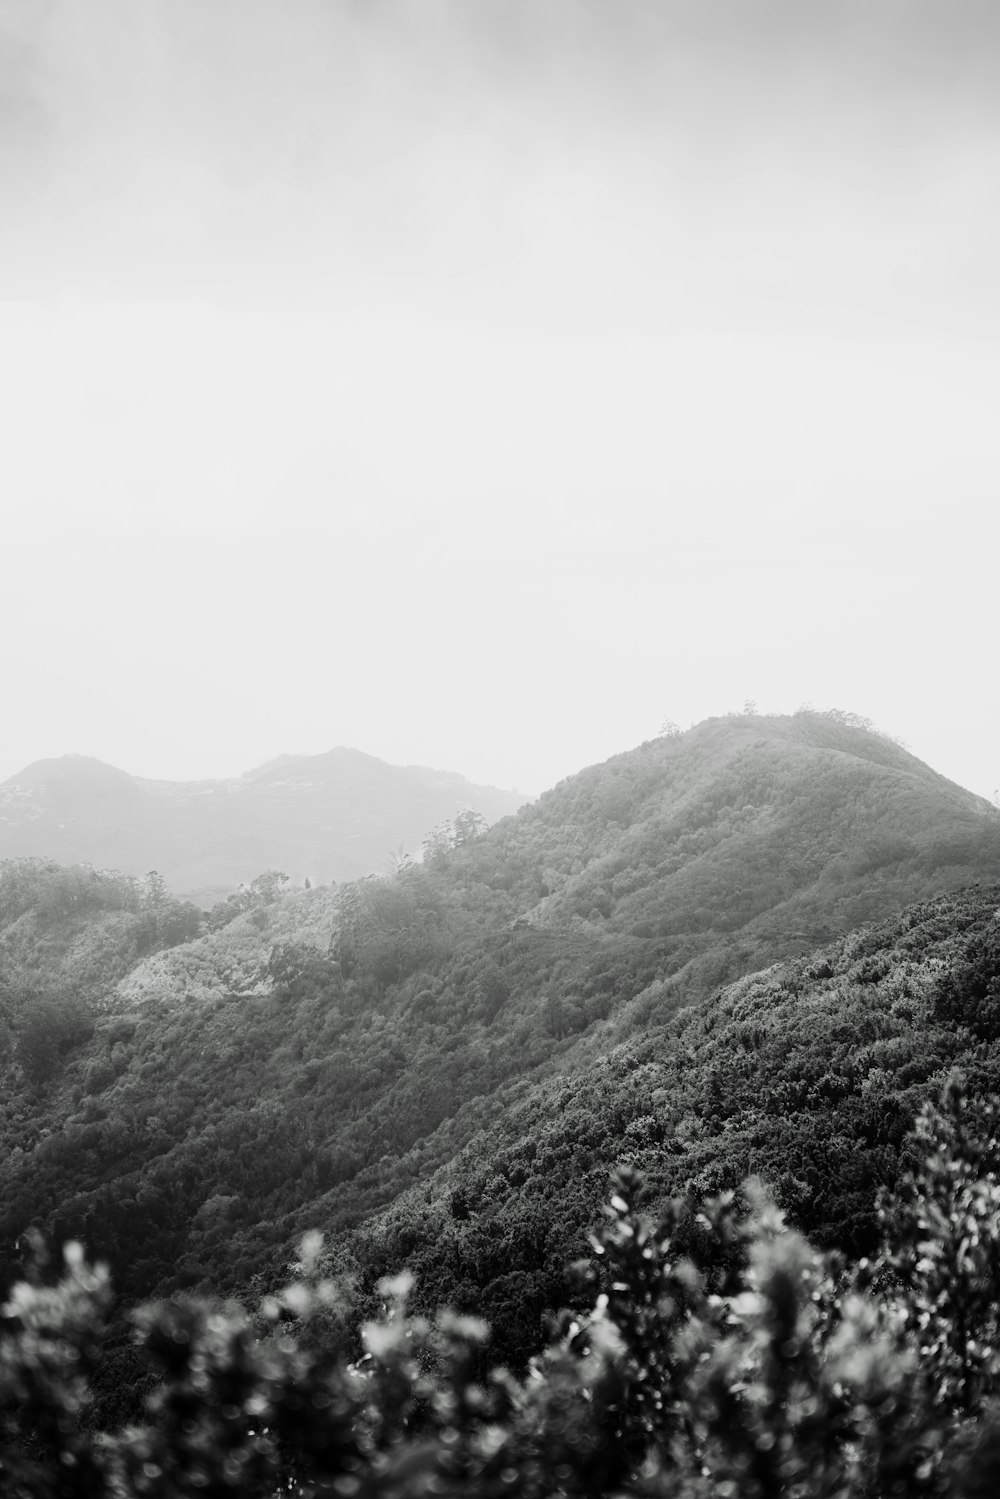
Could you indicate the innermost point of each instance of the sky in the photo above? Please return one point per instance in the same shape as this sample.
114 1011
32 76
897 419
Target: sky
480 383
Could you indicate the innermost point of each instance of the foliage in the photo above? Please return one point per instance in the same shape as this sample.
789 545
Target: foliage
759 1368
969 994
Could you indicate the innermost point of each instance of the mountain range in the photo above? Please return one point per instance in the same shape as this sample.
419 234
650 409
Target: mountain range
756 946
335 816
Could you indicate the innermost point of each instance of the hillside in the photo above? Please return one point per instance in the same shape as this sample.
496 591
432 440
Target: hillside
336 816
715 1351
440 1067
808 1074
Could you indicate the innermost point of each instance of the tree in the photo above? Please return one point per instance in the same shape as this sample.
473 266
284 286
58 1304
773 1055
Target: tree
155 892
399 860
267 887
467 827
437 845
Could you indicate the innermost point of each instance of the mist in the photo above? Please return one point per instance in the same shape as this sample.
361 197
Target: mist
479 384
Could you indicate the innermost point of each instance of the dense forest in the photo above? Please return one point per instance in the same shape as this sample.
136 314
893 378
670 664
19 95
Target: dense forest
759 947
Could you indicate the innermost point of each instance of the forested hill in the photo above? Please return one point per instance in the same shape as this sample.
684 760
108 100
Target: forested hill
441 1066
336 816
758 831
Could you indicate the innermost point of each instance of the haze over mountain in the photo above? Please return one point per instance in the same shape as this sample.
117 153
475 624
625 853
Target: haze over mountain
327 817
479 383
440 1066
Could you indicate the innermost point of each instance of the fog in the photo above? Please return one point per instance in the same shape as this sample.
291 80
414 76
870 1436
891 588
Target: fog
480 383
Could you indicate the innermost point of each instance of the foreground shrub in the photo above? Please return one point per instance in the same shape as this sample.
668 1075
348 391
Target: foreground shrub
768 1369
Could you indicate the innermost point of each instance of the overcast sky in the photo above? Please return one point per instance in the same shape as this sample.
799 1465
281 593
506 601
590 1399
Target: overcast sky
481 383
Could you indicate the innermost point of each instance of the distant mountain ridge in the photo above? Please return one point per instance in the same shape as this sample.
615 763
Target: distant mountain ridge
333 816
